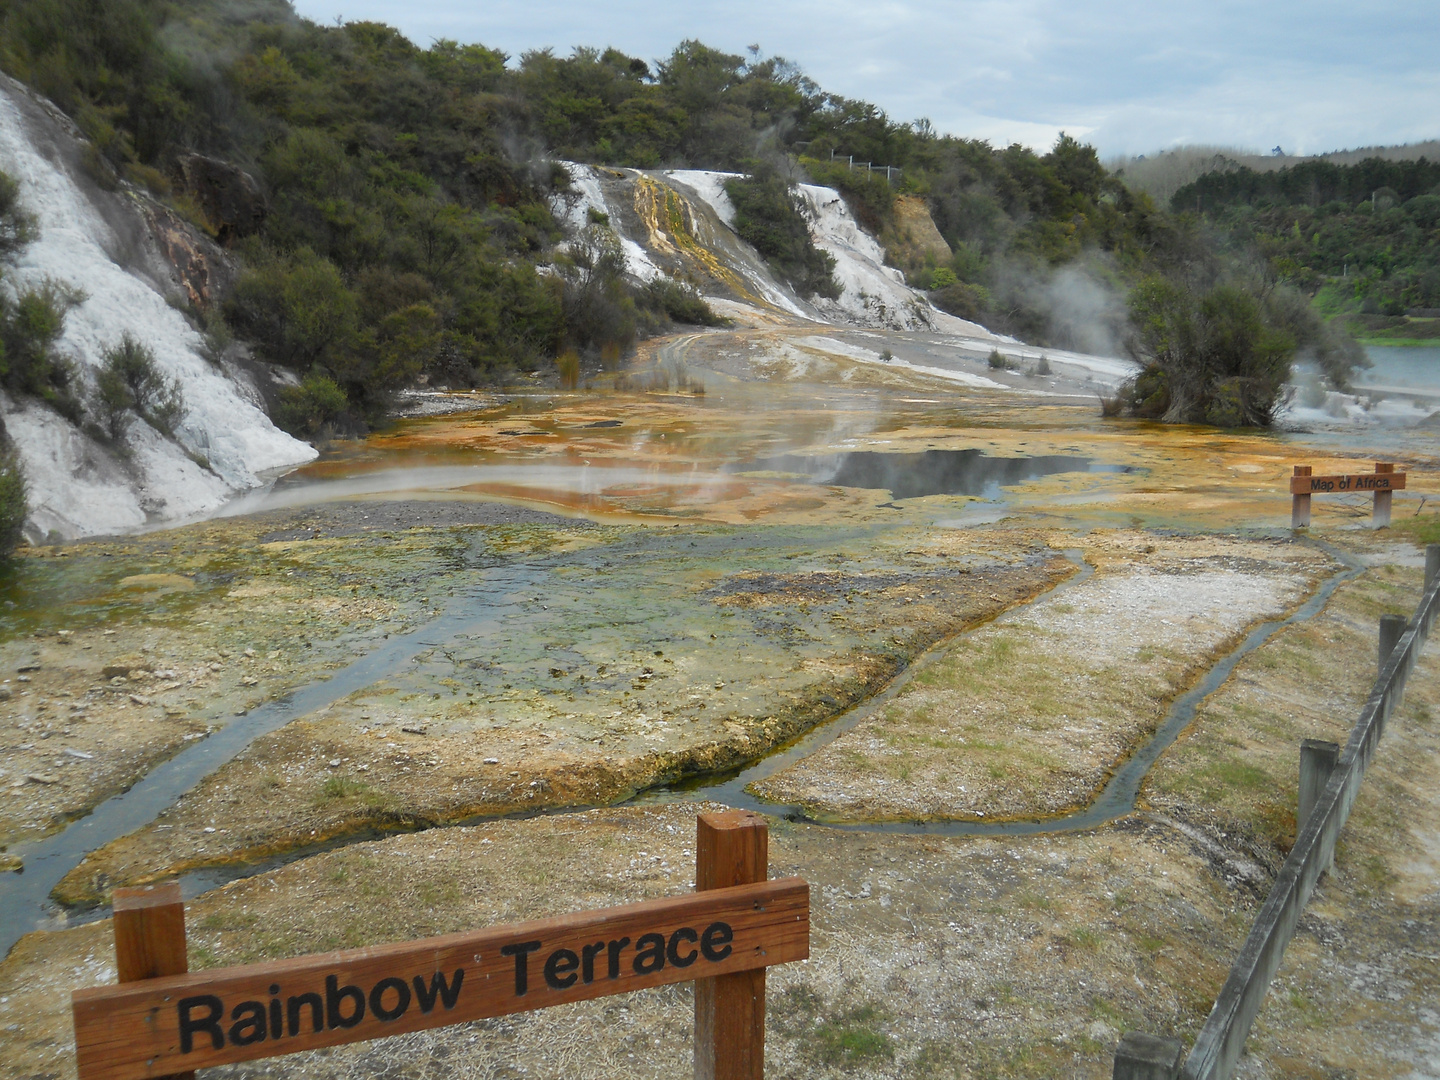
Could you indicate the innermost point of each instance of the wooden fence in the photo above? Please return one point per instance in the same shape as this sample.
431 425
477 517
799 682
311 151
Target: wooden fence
1222 1040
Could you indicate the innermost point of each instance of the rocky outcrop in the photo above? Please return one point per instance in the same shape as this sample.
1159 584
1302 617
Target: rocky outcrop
915 235
198 266
228 195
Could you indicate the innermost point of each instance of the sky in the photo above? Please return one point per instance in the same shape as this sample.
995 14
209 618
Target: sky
1128 76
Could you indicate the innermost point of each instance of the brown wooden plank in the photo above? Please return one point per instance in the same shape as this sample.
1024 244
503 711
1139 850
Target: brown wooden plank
149 932
149 926
732 847
134 1031
1352 482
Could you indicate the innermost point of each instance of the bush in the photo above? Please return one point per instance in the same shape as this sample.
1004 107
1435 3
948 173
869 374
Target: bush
998 361
961 300
17 226
13 506
129 381
568 365
30 326
769 217
296 308
1219 357
315 404
599 312
680 302
111 403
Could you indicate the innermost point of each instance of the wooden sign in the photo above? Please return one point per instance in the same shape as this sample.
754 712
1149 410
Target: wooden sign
1381 483
1326 485
162 1026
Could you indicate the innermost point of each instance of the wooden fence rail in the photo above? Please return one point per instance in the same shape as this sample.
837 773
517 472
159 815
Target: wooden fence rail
1222 1039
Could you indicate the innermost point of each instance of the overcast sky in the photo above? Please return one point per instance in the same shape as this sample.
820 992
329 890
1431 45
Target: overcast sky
1130 76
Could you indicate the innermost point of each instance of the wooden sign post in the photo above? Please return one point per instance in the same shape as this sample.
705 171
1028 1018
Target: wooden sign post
161 1022
1382 482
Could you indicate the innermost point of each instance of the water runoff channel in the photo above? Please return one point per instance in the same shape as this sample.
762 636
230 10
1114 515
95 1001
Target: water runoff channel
25 903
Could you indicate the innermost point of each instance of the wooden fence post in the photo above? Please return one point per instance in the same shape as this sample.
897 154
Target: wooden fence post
1392 629
1317 761
1300 504
731 848
1380 516
1147 1057
150 937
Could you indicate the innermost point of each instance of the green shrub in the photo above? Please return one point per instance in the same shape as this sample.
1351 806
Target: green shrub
111 403
296 308
30 326
681 302
770 218
997 360
17 226
1220 356
316 403
128 381
961 300
13 505
599 311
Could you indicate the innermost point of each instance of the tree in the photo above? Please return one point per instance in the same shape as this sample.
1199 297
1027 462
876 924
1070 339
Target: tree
1219 357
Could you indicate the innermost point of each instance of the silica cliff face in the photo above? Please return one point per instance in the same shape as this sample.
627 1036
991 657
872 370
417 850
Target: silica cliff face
137 266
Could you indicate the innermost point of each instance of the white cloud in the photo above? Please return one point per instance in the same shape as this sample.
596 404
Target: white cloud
1134 75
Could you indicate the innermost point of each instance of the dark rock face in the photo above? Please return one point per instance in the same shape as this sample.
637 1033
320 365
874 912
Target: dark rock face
193 262
228 195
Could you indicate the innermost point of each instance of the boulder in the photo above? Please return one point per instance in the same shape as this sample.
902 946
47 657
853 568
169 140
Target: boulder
228 195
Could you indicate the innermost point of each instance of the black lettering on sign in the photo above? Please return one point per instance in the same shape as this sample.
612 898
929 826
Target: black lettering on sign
377 999
191 1025
249 1026
275 1029
521 953
615 947
716 935
448 994
672 951
560 969
587 960
335 996
292 1013
649 954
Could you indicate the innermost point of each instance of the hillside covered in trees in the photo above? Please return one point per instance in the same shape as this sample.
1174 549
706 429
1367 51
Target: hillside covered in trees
1364 236
408 228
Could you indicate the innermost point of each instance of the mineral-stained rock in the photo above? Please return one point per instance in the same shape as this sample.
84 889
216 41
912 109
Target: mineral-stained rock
195 262
228 195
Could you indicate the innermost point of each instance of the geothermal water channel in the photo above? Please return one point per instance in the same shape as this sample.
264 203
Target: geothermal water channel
24 898
1115 799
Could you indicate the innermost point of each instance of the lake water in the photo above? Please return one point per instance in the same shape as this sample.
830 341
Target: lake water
1401 368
